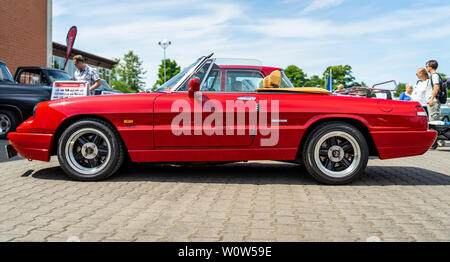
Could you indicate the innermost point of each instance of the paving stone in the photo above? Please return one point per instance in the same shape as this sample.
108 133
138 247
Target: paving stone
395 200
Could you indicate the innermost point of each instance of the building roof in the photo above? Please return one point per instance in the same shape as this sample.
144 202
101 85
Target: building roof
60 50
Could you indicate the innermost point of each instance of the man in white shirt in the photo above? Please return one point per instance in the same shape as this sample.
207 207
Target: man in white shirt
434 107
86 73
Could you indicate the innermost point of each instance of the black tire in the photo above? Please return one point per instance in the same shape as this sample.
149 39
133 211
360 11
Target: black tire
8 122
346 143
78 159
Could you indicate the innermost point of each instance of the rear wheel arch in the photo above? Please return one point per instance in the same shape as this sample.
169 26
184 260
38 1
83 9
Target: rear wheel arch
73 119
352 121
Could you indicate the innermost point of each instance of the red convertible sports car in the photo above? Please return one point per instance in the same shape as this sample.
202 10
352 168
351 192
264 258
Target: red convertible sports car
221 111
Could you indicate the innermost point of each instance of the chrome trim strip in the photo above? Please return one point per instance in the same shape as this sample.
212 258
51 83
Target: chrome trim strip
246 98
279 120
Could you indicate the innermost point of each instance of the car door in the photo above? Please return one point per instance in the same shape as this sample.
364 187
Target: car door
221 114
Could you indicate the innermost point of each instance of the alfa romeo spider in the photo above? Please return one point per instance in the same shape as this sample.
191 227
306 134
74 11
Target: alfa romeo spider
221 111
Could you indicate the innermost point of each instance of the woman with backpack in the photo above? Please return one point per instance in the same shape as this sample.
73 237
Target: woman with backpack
423 90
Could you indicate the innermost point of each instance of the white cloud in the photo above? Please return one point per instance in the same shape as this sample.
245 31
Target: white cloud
320 28
377 47
320 4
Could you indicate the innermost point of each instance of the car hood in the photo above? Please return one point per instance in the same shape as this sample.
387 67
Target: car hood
116 103
28 89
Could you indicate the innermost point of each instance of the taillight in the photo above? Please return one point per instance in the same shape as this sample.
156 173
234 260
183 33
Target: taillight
421 111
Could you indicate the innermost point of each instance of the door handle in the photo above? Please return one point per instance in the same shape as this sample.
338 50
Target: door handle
247 98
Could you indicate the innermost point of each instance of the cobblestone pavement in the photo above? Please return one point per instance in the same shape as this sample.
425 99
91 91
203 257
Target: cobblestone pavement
3 143
395 200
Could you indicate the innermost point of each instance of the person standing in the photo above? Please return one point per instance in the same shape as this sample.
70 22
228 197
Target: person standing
406 96
422 91
86 73
434 106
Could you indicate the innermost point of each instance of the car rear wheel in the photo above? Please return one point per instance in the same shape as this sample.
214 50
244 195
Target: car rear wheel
8 122
335 153
90 150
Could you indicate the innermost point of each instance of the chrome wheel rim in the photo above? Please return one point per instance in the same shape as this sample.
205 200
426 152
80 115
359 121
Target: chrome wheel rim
337 154
5 124
88 151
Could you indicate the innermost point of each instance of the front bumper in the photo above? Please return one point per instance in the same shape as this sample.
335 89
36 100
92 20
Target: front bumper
33 146
394 144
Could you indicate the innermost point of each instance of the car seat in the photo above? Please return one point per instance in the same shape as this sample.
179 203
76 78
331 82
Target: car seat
273 80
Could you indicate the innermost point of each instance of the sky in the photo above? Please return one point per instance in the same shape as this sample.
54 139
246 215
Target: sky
381 39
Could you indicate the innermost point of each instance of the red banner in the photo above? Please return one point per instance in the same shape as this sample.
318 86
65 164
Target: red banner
70 40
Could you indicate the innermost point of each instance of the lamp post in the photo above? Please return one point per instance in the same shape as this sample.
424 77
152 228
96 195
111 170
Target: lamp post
164 44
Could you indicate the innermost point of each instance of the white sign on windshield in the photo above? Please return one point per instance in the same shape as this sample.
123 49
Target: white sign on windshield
68 89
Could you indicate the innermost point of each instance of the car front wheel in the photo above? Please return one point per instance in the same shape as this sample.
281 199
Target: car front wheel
90 150
335 153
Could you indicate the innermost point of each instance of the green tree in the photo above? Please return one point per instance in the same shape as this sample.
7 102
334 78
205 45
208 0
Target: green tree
296 75
315 81
128 74
357 84
341 75
400 89
172 69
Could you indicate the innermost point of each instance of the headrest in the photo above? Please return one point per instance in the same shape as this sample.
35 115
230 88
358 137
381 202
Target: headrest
272 80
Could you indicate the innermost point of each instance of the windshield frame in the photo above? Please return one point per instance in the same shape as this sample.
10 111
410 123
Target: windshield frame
194 67
286 79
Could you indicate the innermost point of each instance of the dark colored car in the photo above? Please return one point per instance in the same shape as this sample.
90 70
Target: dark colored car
17 100
105 89
44 76
40 76
31 85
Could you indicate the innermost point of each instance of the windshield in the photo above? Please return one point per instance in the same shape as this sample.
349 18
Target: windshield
167 86
285 82
5 75
58 76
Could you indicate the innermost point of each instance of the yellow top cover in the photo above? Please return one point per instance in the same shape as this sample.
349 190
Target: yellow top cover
310 90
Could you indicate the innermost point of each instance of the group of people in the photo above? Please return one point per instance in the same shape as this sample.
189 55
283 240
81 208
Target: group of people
425 91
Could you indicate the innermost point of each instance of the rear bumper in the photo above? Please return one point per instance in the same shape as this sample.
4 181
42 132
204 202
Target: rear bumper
33 146
394 144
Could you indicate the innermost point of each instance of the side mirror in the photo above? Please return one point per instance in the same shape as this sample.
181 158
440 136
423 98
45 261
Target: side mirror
194 86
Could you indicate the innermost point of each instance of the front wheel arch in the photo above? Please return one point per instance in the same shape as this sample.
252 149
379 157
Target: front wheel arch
73 119
101 145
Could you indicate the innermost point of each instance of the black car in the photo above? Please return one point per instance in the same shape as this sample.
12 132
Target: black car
40 76
44 76
17 101
105 89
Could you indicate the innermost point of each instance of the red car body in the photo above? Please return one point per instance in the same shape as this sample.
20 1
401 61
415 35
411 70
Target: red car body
392 128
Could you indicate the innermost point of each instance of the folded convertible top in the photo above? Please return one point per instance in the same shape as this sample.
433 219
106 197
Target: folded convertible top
309 90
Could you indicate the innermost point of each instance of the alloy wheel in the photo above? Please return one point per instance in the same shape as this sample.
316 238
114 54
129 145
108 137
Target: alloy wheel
88 151
337 154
